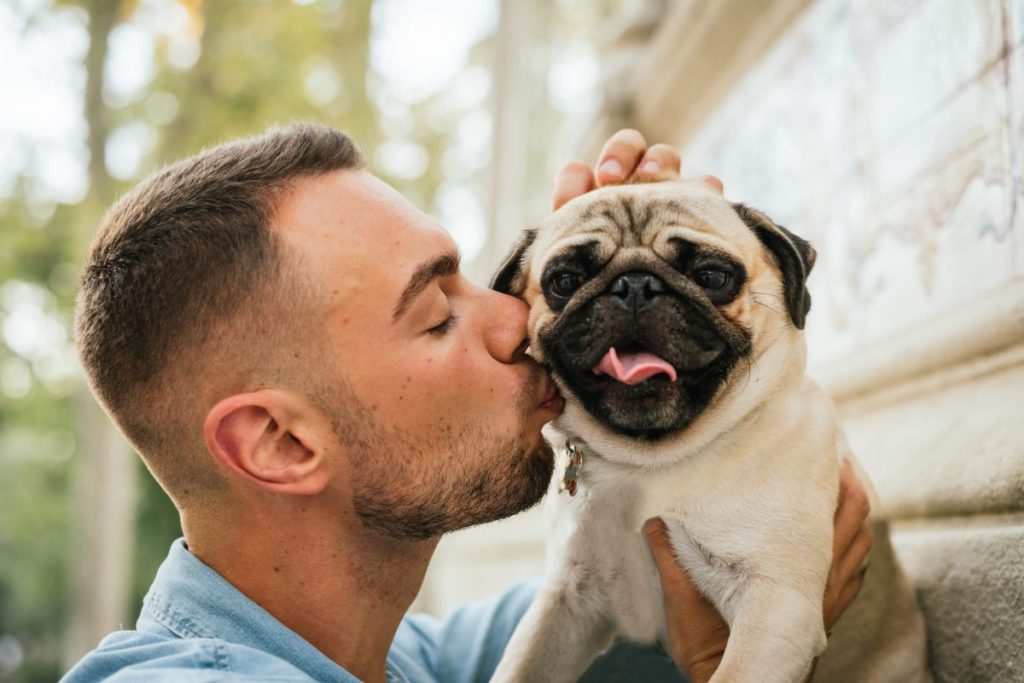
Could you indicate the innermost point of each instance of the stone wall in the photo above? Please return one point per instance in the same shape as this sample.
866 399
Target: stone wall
890 135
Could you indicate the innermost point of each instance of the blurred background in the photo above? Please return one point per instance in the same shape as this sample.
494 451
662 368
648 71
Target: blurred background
98 93
889 133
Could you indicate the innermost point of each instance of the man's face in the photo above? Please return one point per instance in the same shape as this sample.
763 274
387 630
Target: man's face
444 431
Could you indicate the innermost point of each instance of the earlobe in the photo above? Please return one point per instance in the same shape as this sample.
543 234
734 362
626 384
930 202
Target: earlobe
263 438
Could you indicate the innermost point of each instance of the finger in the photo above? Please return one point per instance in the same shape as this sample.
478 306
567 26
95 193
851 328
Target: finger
842 601
714 182
854 558
851 512
674 579
697 633
620 156
574 179
660 162
657 537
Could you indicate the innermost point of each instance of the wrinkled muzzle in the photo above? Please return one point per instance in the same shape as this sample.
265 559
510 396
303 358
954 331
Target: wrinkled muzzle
643 358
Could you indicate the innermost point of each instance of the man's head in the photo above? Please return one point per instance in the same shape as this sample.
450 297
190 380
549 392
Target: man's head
267 319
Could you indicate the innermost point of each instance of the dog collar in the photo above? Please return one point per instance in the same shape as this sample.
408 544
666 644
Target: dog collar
573 464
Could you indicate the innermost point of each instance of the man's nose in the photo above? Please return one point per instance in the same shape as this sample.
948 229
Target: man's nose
636 290
505 331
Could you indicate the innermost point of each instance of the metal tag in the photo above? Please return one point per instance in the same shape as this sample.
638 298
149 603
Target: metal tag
571 477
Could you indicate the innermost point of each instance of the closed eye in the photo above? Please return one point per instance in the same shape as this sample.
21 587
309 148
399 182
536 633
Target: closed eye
444 326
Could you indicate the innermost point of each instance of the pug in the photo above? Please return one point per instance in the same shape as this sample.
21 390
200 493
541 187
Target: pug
672 322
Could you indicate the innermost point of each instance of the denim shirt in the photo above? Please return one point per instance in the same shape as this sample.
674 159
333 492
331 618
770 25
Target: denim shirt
195 626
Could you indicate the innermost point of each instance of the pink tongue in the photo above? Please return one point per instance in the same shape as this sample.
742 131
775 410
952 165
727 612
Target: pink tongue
633 368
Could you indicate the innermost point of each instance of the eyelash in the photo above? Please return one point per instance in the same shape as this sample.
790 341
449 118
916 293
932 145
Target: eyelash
445 326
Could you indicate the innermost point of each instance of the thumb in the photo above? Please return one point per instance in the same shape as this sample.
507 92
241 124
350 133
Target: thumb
697 634
674 580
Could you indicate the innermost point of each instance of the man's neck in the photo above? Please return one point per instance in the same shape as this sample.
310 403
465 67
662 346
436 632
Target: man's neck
344 592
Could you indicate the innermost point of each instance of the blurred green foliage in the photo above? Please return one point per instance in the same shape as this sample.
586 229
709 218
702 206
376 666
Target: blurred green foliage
253 70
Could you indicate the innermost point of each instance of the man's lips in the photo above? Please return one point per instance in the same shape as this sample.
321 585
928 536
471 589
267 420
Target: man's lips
551 400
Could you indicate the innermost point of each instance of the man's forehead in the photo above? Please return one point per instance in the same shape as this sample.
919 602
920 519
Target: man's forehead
353 199
349 205
357 230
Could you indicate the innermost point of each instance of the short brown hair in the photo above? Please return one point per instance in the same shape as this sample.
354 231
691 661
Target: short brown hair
177 267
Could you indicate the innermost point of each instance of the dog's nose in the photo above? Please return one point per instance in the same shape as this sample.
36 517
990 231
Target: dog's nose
637 289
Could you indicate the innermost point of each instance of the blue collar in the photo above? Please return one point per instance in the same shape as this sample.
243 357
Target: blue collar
191 600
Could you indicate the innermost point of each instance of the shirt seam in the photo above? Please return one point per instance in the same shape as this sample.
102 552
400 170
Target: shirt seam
221 656
185 627
174 621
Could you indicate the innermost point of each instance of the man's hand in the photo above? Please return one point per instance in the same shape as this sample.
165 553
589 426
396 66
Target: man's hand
625 156
696 631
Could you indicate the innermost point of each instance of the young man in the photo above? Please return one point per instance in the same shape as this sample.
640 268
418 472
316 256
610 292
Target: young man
291 348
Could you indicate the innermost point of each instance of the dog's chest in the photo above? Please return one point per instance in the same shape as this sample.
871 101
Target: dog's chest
604 556
723 520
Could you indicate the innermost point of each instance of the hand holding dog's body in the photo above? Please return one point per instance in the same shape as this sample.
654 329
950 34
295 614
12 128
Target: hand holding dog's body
740 456
696 632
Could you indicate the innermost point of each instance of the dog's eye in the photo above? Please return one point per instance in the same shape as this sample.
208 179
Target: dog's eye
565 282
712 279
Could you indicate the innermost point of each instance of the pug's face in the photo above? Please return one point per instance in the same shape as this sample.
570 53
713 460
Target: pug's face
647 302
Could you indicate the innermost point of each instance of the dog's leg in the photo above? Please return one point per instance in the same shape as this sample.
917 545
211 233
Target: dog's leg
775 634
558 637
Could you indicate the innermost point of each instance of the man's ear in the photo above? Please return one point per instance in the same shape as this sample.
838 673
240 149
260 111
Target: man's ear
273 439
794 255
511 275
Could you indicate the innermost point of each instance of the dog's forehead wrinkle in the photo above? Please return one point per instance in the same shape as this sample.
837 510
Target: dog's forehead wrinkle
703 212
588 212
590 246
637 217
700 238
641 211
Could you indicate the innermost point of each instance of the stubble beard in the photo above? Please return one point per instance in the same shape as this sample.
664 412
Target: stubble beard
405 491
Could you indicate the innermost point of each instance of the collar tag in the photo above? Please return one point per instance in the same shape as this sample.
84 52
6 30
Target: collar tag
574 462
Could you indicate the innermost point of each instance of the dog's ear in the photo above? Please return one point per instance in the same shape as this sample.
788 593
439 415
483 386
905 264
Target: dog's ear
511 275
794 255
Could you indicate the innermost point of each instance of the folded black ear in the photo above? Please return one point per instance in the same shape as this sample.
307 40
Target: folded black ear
794 255
511 275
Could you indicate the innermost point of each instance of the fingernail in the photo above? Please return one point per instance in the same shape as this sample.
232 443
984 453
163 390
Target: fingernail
651 167
611 168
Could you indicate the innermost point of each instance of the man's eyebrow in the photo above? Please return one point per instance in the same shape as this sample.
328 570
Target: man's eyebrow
425 273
